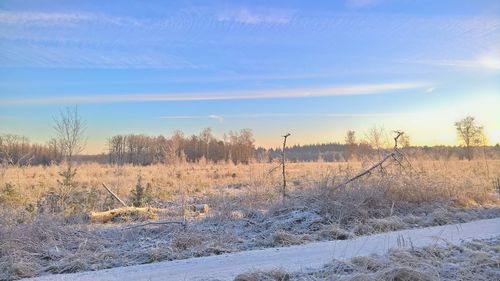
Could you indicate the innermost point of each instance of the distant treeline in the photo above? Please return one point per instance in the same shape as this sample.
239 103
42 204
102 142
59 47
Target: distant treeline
236 147
335 152
329 152
17 150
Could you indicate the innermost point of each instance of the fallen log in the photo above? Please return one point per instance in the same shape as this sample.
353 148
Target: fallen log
124 214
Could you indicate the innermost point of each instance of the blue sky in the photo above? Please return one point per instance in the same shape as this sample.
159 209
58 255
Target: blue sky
315 69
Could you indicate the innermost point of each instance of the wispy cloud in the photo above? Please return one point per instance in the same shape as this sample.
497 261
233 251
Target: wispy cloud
485 61
362 3
99 40
42 17
256 16
241 15
23 18
285 115
430 89
48 56
347 90
218 118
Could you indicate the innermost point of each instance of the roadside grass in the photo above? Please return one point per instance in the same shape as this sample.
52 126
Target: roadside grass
476 260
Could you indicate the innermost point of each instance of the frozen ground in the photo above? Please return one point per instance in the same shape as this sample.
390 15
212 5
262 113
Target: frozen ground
299 258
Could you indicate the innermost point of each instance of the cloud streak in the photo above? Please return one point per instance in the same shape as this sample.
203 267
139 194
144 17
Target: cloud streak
347 90
24 18
483 61
41 17
222 117
362 3
247 16
180 117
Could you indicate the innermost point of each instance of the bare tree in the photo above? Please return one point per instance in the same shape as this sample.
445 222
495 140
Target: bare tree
377 138
54 154
8 148
206 137
350 141
70 129
15 150
470 133
241 146
483 141
176 153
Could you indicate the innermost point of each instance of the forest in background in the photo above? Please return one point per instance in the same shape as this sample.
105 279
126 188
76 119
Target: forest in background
236 147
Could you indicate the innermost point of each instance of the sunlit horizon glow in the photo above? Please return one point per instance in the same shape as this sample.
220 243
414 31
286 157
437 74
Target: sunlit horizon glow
315 70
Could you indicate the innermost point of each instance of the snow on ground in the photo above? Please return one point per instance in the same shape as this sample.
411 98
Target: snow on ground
292 259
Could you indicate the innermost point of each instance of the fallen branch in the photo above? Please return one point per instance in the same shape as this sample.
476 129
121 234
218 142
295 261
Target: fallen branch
114 195
378 164
394 154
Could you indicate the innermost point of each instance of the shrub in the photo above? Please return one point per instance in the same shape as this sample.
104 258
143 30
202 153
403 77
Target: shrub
141 195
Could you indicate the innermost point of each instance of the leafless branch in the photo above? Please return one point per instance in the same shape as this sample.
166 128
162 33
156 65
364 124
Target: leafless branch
394 154
114 195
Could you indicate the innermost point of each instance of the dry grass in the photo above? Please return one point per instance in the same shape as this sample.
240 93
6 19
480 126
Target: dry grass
461 181
474 261
244 210
45 245
274 275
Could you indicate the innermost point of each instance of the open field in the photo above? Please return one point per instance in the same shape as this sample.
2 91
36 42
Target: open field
27 187
48 228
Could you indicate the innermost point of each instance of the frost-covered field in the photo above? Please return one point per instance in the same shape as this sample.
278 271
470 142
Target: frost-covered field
46 229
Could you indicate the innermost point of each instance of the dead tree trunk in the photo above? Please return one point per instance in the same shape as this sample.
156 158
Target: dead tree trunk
398 134
283 160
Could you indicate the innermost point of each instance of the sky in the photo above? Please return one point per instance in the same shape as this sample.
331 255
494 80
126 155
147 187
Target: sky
312 68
